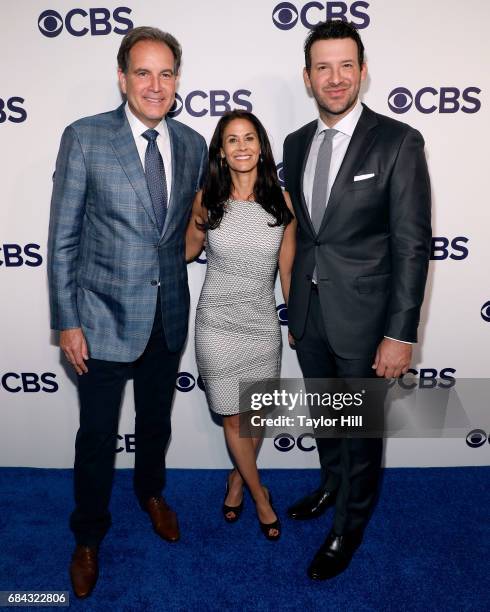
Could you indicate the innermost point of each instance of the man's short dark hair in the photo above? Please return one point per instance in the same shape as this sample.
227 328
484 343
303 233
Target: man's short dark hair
334 28
147 33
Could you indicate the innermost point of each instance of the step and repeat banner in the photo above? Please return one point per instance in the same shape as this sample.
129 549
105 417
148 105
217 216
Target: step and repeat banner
427 66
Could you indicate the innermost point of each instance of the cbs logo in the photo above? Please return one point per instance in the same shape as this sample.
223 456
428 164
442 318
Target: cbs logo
29 382
429 378
282 314
186 382
476 438
430 100
280 174
443 248
202 259
79 22
128 443
11 110
285 442
16 255
485 312
285 15
216 102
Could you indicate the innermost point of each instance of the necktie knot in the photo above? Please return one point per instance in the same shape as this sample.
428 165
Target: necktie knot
150 135
329 134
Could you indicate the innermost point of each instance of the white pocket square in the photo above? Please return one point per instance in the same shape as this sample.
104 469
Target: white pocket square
363 177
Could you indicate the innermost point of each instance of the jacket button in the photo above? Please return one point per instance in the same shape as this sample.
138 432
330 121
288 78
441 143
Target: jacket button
308 277
317 242
154 283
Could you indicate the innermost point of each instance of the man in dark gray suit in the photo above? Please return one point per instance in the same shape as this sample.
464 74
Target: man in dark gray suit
123 190
361 194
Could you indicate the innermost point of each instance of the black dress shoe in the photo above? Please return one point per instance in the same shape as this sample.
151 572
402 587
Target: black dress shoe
334 555
312 505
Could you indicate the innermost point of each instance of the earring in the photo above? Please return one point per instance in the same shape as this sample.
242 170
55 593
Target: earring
261 159
222 160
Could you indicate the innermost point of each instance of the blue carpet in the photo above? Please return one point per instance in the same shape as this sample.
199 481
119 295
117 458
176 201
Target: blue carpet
426 547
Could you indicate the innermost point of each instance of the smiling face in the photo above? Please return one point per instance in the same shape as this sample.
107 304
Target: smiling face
335 77
149 82
240 146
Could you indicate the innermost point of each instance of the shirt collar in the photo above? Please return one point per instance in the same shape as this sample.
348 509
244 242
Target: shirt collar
347 124
138 127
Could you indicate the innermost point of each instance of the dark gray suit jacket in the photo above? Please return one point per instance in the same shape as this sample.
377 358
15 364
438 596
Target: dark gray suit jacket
372 249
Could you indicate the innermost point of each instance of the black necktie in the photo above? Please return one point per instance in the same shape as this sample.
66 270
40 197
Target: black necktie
155 178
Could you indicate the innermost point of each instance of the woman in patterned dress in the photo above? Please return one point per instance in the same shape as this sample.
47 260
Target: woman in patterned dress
249 229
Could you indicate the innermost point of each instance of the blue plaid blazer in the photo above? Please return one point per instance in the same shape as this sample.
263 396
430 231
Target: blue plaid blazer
104 248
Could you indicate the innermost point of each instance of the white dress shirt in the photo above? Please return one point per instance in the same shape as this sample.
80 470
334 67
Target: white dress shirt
345 128
163 144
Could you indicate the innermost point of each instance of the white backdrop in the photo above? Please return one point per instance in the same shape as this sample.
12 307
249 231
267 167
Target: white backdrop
58 61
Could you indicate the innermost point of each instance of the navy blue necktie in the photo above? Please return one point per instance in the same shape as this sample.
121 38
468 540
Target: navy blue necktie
155 178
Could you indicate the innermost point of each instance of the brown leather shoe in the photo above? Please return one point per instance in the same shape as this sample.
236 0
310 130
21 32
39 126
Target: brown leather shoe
84 570
163 519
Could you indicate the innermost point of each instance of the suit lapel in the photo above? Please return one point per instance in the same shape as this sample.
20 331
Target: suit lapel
303 152
178 167
359 146
127 154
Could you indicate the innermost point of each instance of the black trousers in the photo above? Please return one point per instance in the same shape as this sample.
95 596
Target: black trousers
350 466
100 390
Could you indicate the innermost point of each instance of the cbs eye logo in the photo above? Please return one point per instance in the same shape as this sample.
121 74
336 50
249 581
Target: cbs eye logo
280 174
430 100
285 442
282 314
476 438
286 15
79 22
485 312
400 100
50 23
202 259
177 106
185 382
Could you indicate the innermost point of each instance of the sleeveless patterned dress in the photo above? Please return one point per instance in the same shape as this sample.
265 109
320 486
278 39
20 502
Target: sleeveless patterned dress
237 332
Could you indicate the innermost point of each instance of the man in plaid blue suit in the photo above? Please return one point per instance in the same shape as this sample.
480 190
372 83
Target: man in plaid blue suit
123 190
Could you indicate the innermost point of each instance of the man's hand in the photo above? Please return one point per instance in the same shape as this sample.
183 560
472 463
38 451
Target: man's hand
73 344
392 358
291 341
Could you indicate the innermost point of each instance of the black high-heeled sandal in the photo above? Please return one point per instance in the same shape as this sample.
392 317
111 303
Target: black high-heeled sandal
237 510
267 527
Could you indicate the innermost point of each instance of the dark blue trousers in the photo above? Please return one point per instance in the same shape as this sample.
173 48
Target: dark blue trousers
100 390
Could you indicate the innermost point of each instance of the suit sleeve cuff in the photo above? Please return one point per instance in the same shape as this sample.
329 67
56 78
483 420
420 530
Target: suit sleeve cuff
396 340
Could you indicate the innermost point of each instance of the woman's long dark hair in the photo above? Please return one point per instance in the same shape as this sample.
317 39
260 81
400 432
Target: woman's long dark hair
217 187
